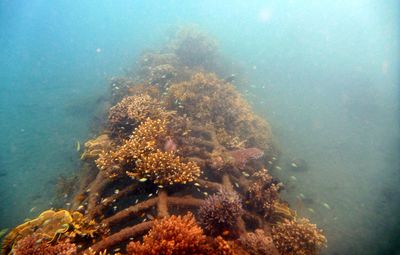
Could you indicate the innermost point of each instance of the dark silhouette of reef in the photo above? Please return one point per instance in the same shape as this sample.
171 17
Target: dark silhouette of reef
181 167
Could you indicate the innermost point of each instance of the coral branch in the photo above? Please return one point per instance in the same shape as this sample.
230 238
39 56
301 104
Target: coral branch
121 236
162 205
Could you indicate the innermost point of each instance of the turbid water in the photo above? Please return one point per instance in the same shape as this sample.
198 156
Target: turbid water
324 74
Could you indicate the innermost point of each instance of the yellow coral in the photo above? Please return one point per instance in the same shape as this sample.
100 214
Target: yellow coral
52 225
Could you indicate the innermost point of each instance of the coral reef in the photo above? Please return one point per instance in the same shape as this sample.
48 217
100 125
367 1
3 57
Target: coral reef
220 212
200 99
173 235
258 243
194 48
178 139
37 245
53 225
125 116
298 237
140 158
262 195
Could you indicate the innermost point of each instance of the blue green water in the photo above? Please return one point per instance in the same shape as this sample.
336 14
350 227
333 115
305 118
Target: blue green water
325 75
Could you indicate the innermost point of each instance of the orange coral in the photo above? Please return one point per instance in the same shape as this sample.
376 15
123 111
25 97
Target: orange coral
298 237
172 235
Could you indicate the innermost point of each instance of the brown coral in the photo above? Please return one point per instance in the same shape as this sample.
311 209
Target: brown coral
172 235
298 237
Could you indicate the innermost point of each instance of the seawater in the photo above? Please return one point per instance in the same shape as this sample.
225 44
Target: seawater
324 74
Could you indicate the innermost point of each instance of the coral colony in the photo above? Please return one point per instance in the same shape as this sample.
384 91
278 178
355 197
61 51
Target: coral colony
179 168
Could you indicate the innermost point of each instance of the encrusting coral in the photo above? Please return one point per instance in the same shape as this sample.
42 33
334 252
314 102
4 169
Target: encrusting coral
298 237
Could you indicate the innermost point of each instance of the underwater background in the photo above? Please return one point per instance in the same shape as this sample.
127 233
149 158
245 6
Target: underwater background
325 74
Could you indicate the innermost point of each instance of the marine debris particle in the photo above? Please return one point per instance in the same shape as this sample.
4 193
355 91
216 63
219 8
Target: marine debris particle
178 138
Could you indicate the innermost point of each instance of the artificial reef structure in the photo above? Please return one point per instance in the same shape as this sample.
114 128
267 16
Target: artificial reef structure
181 167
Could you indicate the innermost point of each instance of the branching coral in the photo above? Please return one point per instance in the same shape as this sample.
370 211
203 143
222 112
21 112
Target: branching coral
173 235
258 243
131 111
298 237
207 99
165 168
37 245
220 212
140 157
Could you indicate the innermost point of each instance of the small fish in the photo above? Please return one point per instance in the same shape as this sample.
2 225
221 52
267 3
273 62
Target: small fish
311 210
116 191
136 201
115 207
326 206
302 195
294 165
32 209
160 186
197 184
151 194
237 185
78 146
151 217
278 168
293 178
245 174
143 179
205 193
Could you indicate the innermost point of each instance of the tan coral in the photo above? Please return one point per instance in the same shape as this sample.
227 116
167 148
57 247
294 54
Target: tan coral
140 157
298 237
201 99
